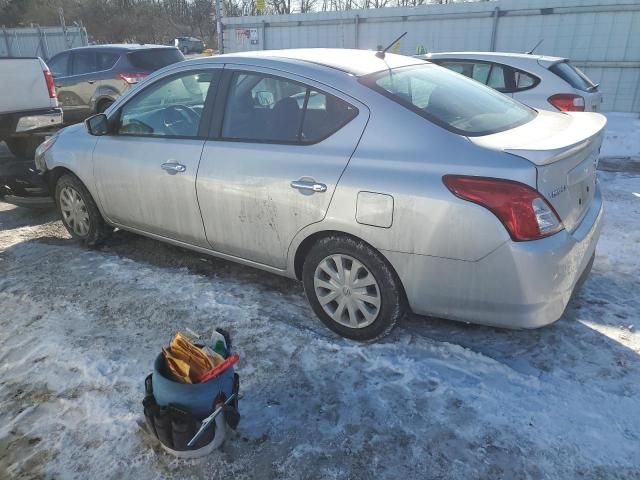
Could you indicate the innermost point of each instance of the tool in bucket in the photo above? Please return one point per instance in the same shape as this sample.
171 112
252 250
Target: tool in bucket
208 422
217 370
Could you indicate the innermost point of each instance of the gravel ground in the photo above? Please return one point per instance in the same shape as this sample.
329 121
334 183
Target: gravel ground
79 330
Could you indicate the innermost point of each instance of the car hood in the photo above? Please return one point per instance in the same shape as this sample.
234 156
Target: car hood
71 129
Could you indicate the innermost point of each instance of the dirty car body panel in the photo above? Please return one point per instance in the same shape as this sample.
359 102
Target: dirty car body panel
378 178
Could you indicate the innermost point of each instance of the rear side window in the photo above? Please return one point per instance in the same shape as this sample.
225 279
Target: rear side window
106 60
154 59
263 108
477 71
324 115
84 62
450 100
501 77
484 72
497 78
523 80
89 62
573 76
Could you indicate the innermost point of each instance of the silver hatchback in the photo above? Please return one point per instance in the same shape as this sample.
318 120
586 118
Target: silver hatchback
384 183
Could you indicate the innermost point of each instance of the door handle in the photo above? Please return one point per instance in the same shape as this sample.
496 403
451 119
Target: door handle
91 82
173 167
309 185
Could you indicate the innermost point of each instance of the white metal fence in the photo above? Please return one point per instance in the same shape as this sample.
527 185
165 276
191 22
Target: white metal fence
42 42
600 36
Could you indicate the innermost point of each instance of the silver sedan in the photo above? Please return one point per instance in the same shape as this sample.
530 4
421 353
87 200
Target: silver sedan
384 183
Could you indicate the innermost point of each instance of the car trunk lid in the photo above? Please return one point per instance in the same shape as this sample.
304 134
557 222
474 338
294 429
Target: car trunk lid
564 147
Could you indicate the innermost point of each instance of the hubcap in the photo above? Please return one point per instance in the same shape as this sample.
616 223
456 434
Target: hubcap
74 211
347 291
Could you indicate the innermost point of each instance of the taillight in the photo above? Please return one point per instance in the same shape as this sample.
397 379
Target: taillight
132 78
567 102
522 210
48 78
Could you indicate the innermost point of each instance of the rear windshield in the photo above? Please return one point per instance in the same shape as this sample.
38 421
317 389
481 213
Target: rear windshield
154 59
573 76
450 100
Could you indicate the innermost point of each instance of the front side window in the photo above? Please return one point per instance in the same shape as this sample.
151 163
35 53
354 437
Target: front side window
59 65
170 107
450 100
272 109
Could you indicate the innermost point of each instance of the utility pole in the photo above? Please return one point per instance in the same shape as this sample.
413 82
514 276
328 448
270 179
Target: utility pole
219 27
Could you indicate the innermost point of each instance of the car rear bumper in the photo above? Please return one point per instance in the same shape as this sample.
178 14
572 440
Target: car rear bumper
518 285
19 123
34 121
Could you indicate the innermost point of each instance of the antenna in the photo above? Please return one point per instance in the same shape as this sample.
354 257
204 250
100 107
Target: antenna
380 53
537 45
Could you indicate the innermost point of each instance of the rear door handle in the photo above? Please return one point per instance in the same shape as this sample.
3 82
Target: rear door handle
309 185
173 167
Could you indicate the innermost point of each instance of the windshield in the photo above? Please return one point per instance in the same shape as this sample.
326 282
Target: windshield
573 76
156 58
450 100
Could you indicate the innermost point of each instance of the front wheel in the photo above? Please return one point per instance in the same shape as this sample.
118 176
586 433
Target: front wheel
79 212
352 288
103 105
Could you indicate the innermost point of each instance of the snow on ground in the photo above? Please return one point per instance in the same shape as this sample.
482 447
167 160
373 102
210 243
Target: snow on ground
622 136
79 330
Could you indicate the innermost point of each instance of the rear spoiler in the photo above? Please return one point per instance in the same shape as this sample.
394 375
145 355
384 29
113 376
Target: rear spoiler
547 63
578 134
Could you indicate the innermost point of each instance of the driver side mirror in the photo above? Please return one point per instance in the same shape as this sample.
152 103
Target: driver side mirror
97 125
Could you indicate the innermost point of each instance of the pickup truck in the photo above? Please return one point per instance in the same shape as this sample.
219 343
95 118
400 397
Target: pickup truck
28 104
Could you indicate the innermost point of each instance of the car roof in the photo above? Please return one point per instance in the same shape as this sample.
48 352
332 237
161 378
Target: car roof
355 62
503 56
122 46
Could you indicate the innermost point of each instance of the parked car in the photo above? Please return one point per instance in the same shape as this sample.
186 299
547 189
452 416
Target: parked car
189 45
89 79
407 187
28 104
539 81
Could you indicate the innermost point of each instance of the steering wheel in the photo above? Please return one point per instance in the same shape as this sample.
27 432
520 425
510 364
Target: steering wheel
180 119
136 127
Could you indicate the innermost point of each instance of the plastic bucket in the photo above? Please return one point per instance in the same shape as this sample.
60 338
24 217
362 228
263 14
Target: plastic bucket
220 429
198 397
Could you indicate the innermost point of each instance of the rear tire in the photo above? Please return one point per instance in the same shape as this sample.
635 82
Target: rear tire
352 288
24 147
79 212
